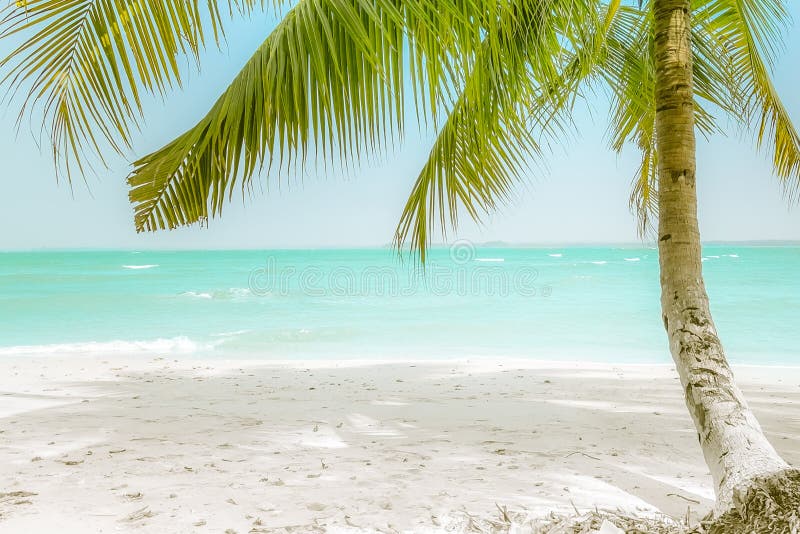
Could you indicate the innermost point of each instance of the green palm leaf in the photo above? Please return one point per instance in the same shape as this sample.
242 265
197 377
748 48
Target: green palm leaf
518 94
83 63
630 76
329 79
744 36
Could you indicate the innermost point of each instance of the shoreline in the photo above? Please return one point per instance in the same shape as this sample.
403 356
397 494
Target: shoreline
177 444
7 355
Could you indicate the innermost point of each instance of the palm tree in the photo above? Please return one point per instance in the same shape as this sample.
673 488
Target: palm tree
735 448
497 78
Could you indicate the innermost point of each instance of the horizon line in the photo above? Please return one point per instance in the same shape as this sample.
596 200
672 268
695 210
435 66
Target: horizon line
484 244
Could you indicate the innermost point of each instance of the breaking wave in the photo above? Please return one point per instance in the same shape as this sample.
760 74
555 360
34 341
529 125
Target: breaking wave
176 345
139 266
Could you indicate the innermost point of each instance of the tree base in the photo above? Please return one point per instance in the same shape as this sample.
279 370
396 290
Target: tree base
771 504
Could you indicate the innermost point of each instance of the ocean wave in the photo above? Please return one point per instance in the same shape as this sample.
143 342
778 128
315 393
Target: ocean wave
139 266
239 292
197 295
633 259
555 255
733 255
490 260
232 293
176 345
231 334
600 262
260 340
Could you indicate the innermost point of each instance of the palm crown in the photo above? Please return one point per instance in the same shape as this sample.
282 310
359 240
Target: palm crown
497 78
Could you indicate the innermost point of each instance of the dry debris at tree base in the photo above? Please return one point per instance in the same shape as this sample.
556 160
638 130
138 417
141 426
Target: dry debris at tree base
607 522
770 505
594 522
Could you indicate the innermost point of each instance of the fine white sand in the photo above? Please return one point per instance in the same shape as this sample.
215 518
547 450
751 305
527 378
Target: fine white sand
161 445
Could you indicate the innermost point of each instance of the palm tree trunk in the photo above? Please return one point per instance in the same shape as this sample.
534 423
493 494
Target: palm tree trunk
734 446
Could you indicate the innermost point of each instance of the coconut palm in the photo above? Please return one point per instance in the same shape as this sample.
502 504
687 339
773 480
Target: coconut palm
496 78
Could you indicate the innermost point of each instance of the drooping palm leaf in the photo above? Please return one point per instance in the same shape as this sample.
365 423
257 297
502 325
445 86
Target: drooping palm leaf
82 63
519 91
329 78
630 76
745 38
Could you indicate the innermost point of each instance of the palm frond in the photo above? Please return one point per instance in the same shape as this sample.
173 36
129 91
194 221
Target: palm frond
519 91
329 79
744 36
643 199
630 74
81 64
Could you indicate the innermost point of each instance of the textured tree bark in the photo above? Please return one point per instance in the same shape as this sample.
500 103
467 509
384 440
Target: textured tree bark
733 443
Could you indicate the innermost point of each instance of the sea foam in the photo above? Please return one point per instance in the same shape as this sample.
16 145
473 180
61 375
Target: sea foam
139 266
232 293
179 345
197 294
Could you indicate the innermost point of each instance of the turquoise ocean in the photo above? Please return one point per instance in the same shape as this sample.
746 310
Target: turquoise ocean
574 303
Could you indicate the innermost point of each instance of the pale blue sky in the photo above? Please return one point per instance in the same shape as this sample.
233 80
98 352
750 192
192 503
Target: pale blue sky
582 198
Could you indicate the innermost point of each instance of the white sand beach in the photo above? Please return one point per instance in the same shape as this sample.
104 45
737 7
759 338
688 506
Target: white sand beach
171 446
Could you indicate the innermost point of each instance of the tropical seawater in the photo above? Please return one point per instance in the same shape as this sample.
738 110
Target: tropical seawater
575 303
